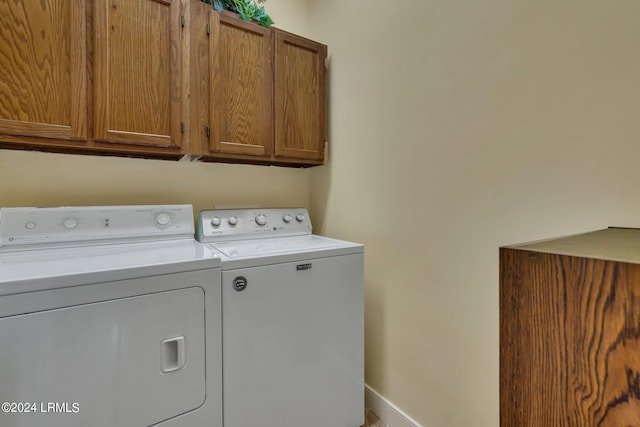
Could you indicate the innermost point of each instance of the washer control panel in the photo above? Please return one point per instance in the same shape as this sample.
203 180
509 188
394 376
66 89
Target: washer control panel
35 226
239 224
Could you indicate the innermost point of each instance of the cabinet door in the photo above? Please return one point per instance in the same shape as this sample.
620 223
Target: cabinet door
241 114
300 97
137 72
43 71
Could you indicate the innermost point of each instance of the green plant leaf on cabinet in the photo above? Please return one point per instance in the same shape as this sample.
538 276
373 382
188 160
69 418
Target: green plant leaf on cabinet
247 9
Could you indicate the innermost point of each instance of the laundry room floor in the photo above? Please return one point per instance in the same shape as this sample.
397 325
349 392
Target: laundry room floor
371 420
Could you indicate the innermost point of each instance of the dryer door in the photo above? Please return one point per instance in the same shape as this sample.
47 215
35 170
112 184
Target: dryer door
126 362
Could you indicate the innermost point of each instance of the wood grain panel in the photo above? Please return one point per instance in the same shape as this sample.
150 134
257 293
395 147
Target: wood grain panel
300 97
199 76
138 72
569 341
241 87
43 71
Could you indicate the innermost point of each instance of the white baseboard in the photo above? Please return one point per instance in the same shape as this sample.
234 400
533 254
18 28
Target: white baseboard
388 413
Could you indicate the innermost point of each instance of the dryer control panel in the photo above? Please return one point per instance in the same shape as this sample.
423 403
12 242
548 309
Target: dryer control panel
239 224
26 227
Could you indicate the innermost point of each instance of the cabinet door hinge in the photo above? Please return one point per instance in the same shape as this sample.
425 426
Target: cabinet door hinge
182 21
182 128
207 131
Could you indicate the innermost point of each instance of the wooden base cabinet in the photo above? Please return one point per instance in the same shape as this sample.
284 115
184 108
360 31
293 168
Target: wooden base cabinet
570 331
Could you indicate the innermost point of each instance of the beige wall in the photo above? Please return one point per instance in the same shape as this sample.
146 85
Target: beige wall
39 179
290 15
456 127
42 179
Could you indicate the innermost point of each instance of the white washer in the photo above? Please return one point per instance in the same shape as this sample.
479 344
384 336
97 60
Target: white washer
109 316
292 320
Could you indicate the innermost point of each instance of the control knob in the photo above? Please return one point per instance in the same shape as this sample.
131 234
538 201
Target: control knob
261 219
70 223
300 217
163 219
216 221
287 218
233 220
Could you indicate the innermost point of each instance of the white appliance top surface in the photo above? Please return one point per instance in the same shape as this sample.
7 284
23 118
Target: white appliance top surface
110 262
41 248
246 253
265 236
278 245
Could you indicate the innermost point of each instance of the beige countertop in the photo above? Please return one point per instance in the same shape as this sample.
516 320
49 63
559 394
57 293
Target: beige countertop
616 244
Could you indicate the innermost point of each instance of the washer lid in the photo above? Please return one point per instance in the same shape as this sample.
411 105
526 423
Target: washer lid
26 271
244 253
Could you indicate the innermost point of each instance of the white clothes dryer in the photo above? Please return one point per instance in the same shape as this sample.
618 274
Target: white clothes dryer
109 316
292 320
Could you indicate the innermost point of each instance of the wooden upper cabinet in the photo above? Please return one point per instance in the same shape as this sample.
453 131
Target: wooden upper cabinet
137 73
158 78
241 79
261 96
43 74
300 97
